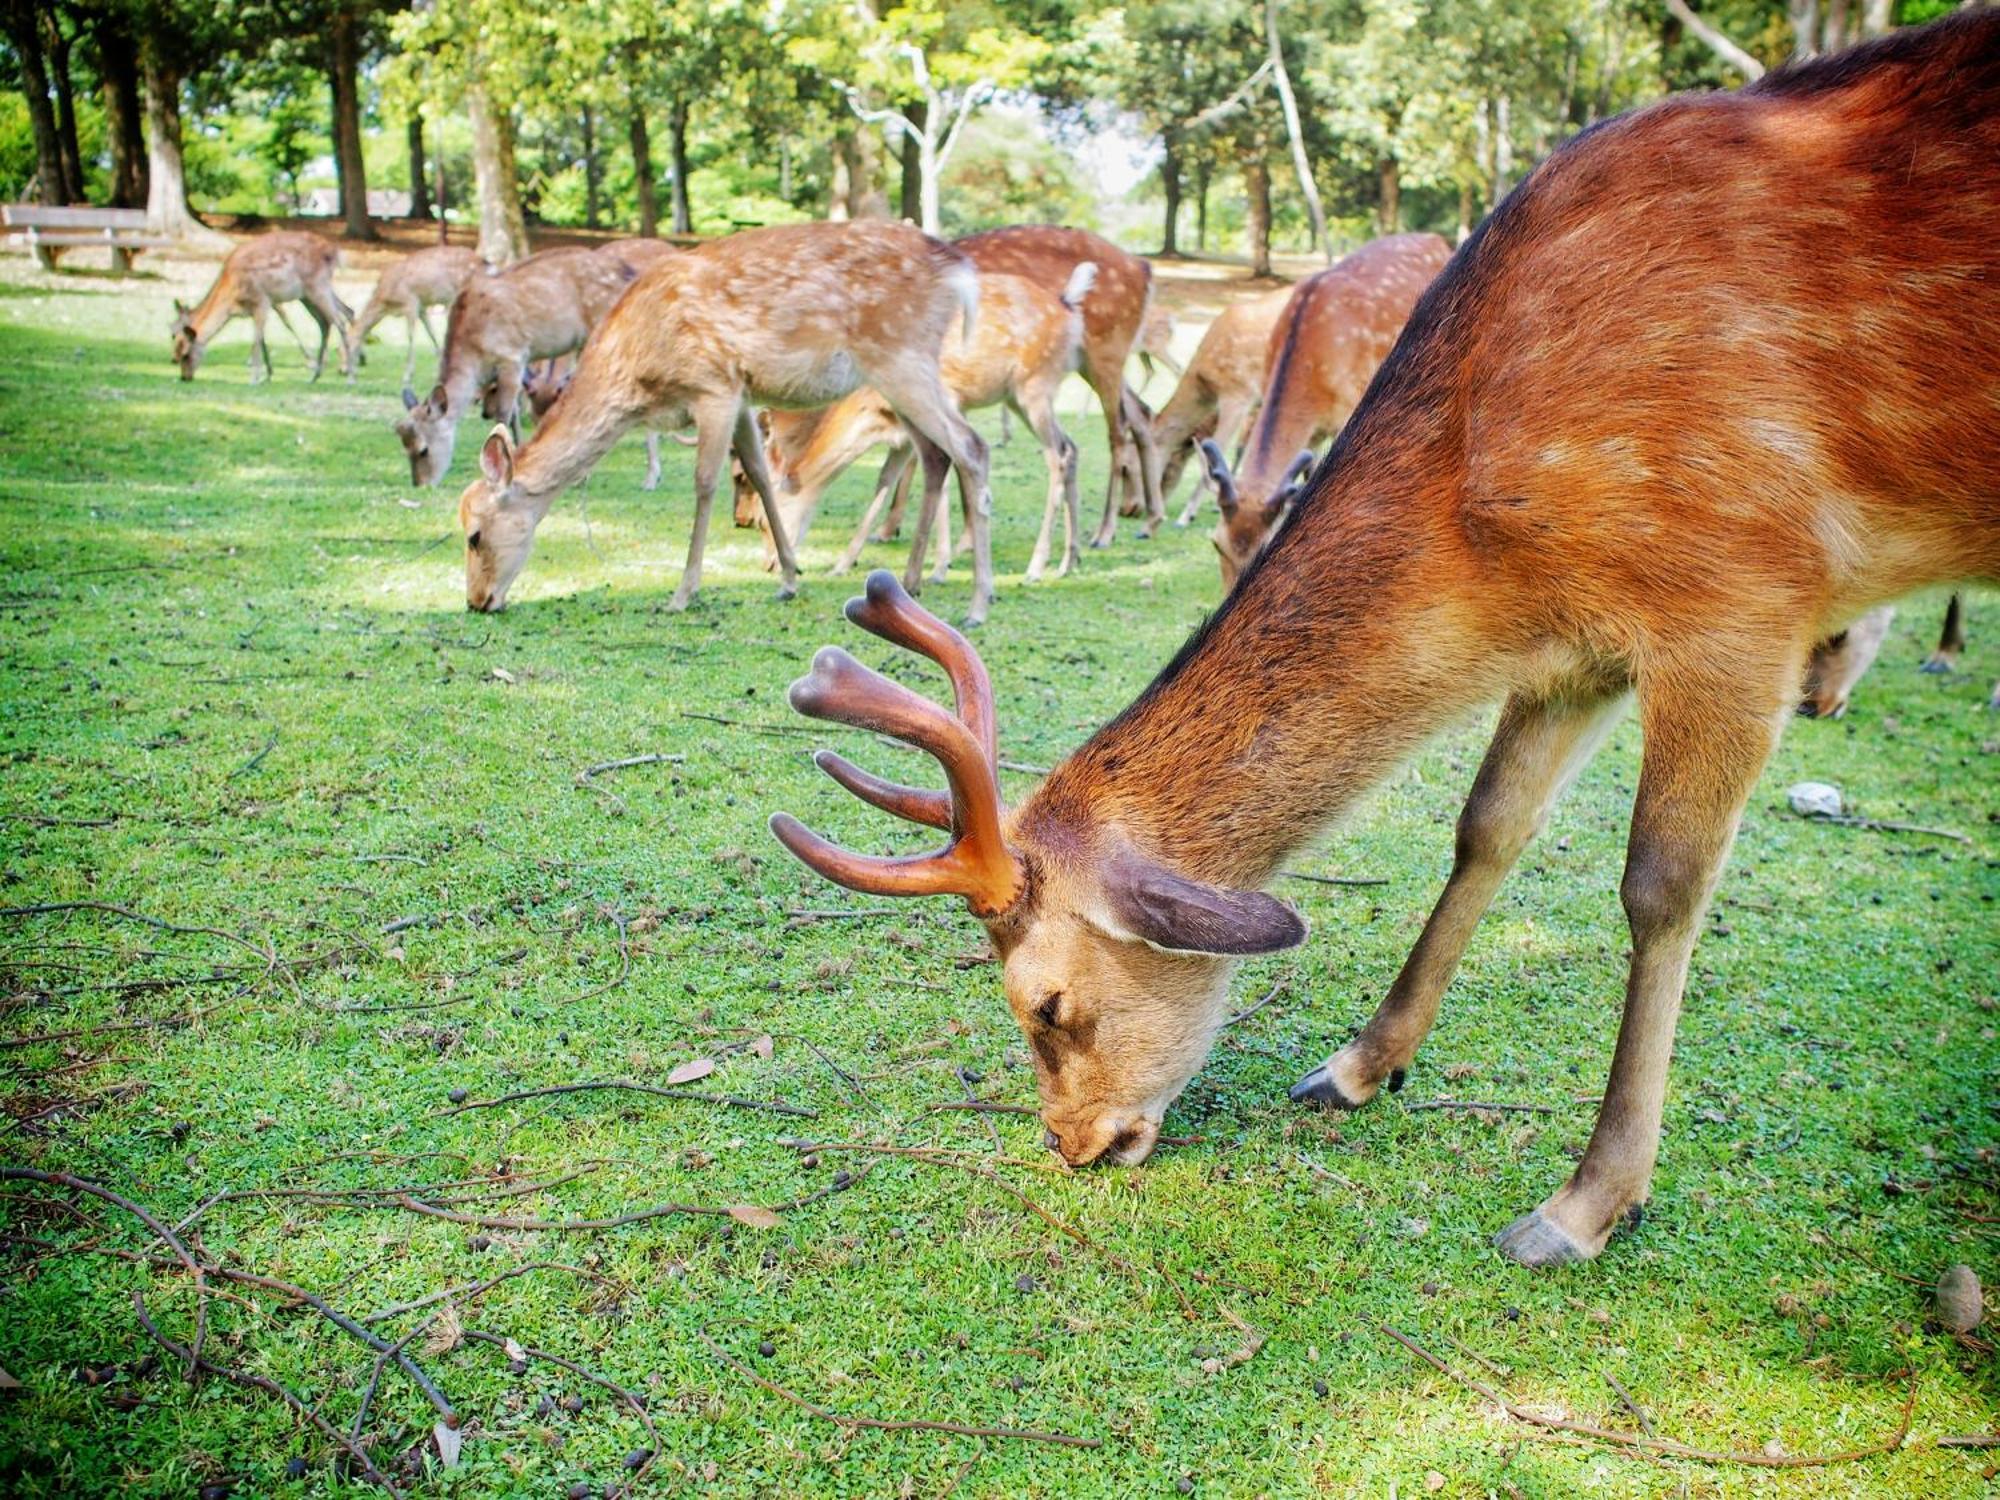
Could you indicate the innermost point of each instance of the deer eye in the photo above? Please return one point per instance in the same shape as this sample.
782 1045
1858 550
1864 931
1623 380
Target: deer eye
1048 1011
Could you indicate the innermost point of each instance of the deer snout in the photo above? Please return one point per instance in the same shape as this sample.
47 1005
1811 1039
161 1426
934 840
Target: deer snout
1117 1138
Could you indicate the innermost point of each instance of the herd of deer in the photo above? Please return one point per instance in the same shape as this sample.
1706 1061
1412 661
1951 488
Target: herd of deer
1716 380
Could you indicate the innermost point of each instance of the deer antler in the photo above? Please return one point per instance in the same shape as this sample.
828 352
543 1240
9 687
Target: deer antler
976 863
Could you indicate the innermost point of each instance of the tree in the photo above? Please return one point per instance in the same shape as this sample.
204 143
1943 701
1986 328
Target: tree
176 39
124 111
24 35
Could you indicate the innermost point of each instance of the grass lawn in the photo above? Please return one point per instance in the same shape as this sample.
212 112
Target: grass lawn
239 692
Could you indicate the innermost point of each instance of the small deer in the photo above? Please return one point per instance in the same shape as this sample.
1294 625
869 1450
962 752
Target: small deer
1113 322
1643 435
1020 350
793 315
1333 334
1841 660
258 277
534 309
421 280
1218 391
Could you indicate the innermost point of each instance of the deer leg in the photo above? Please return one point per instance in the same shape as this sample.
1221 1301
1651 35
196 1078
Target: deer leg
291 328
895 469
942 569
325 330
652 479
1223 426
1038 411
1951 640
1706 742
936 467
1151 465
1006 428
352 355
424 317
507 397
919 398
1108 527
1538 749
258 353
411 320
750 453
715 430
892 524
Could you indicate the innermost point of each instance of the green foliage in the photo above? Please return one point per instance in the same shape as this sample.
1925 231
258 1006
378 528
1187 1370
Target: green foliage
1008 172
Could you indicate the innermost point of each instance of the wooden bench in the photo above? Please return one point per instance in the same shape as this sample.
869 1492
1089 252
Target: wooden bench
45 231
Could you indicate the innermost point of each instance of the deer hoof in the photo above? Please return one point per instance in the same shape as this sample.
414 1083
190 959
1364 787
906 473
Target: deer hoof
786 591
1318 1087
1535 1240
1938 666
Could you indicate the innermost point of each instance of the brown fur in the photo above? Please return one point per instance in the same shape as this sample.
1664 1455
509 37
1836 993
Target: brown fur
799 314
1333 334
1646 432
423 279
259 275
1219 390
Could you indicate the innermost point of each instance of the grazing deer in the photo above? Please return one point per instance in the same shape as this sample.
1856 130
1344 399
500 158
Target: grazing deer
793 315
1645 434
258 277
1021 348
534 309
542 387
1333 334
1840 661
421 280
1113 320
1218 390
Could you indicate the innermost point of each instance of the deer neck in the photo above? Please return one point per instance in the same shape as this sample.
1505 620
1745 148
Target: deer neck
573 435
217 307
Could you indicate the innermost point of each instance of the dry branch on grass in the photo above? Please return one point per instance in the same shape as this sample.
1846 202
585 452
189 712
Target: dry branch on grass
735 1101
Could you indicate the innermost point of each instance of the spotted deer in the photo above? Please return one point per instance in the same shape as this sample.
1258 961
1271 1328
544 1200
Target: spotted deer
1218 391
1021 348
1644 435
421 280
534 309
259 276
793 315
1335 330
1114 319
1839 662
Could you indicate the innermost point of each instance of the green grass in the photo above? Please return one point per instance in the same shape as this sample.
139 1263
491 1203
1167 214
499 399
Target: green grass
240 691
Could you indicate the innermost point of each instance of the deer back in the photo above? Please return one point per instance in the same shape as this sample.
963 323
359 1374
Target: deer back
1113 313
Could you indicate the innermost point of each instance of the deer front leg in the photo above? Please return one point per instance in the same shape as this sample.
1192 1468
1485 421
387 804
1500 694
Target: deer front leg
750 453
292 328
411 321
895 468
1951 640
325 331
1538 749
1108 527
715 430
930 505
1059 453
892 524
1704 750
259 355
652 480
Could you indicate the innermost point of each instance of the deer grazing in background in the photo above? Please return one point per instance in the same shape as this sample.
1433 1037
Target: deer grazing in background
1840 661
257 278
423 279
1219 389
1643 435
1021 348
794 315
534 309
1332 335
1113 321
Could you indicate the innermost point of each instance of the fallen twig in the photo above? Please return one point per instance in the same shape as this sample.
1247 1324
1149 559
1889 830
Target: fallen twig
1345 880
638 1405
256 760
476 1289
1971 1440
1638 1412
883 1424
774 1106
1507 1109
1881 825
1270 995
1658 1444
624 962
586 778
840 1184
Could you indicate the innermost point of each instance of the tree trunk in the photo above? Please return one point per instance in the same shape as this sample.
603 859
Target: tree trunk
785 168
1389 194
1201 176
167 211
345 73
930 217
1464 213
590 169
124 116
1257 181
1301 165
1833 35
25 36
420 185
1804 16
72 157
642 175
1876 16
503 232
911 206
1170 188
677 141
1503 147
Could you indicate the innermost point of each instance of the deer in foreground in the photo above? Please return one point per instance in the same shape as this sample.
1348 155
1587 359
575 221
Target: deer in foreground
534 309
793 315
421 280
1114 320
1219 389
258 277
1021 348
1840 661
1617 450
1332 335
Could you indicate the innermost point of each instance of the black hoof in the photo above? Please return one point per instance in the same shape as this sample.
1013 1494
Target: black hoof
1936 668
1396 1081
1318 1087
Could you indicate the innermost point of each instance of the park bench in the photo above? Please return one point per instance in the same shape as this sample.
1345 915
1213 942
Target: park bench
45 231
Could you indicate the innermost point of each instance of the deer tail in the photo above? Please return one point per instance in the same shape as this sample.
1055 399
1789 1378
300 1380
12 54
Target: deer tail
1081 280
963 279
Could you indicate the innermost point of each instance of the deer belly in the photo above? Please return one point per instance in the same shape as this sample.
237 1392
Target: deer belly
804 380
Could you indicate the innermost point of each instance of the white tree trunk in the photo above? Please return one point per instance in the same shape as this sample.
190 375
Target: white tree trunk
503 232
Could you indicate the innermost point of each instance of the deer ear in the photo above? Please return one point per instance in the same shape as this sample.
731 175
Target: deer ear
180 307
496 458
440 402
409 399
1157 906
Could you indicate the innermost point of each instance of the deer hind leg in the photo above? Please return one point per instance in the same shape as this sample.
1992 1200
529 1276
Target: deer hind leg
936 465
919 398
892 524
1951 639
1538 749
1706 742
1152 464
325 331
1038 411
715 430
749 440
652 480
1114 428
292 328
260 356
411 319
895 474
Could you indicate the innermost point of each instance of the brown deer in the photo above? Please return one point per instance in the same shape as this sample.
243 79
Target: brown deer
1021 348
1113 320
258 277
534 309
793 315
1333 334
421 280
543 385
1219 389
1840 661
1643 434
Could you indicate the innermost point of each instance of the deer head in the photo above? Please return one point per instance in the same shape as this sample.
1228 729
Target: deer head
1116 967
428 435
188 342
1248 522
499 525
1840 661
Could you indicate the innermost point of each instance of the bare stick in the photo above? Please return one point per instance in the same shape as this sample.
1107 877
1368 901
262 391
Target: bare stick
1505 1109
1664 1445
881 1424
480 1336
1971 1440
840 1184
381 1364
1879 825
1244 1015
624 963
586 777
472 1290
774 1106
1346 880
983 1107
256 760
1638 1412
